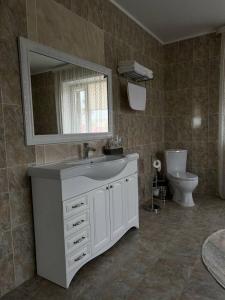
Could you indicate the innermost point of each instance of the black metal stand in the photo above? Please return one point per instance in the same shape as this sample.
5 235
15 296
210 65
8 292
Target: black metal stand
160 184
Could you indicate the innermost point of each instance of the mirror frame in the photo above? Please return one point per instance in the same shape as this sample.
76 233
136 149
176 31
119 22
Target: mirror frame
25 46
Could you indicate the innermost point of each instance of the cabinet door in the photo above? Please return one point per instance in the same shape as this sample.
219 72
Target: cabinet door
100 219
117 209
131 192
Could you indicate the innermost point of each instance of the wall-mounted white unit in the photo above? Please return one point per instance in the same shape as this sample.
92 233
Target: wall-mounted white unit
134 71
136 96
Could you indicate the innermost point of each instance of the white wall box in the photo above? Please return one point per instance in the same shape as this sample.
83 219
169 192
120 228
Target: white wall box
76 218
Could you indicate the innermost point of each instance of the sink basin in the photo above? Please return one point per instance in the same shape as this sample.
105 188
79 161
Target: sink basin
99 168
104 170
94 160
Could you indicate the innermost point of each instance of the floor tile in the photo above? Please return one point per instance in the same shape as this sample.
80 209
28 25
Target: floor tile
160 261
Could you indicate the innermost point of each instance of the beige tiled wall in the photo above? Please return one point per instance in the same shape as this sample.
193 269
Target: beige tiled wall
192 105
91 29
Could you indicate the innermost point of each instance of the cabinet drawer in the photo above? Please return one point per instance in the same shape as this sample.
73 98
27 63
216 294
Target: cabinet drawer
77 240
75 205
76 223
75 259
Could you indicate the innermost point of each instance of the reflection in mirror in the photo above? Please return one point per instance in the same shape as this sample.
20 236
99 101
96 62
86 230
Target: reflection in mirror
67 99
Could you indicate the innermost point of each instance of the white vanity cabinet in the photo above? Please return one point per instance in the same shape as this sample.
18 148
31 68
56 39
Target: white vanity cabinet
100 218
131 195
79 217
117 209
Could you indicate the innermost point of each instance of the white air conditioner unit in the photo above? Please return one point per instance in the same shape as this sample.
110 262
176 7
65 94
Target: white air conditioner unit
135 71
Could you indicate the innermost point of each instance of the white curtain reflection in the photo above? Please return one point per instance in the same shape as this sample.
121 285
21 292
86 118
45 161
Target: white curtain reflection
81 101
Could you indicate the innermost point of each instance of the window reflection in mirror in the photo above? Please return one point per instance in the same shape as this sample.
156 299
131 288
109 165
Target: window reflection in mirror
67 99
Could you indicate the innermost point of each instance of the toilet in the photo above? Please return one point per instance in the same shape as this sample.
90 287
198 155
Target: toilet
183 183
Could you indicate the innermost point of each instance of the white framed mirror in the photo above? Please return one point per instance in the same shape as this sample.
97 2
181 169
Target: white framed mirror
65 98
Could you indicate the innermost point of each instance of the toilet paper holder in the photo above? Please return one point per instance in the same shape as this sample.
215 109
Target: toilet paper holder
158 187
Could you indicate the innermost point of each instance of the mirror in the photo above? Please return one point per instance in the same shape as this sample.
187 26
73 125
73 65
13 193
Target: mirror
65 98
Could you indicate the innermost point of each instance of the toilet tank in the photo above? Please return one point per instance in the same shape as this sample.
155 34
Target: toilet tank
176 160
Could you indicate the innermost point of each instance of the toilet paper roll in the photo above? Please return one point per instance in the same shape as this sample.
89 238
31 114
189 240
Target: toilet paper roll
157 165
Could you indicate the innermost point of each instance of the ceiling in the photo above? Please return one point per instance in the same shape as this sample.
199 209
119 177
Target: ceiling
172 20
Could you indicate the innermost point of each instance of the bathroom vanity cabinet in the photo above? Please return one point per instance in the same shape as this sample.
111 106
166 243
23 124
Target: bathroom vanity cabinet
80 211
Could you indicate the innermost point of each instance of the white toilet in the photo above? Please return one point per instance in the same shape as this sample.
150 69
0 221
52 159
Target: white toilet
182 182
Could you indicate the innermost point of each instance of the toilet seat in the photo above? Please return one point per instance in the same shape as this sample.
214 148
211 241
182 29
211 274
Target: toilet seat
183 176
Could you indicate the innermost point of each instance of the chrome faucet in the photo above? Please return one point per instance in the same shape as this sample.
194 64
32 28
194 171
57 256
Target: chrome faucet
86 149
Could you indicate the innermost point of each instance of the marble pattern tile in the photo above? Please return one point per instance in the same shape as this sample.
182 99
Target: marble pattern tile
3 181
170 105
66 3
2 154
18 179
213 127
39 154
95 12
184 75
201 48
6 248
171 129
21 207
170 77
13 24
185 52
56 152
214 71
23 243
80 8
17 151
213 100
6 275
200 101
157 129
184 129
5 221
171 53
56 25
200 158
31 19
110 48
184 105
214 45
200 74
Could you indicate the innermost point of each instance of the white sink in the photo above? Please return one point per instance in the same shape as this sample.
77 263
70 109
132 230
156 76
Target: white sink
99 168
105 169
94 160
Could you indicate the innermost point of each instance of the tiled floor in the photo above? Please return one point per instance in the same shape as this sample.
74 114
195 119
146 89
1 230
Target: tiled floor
161 261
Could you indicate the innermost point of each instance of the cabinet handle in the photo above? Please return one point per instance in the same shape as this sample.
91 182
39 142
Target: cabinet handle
107 188
78 205
80 257
79 240
127 180
111 186
78 223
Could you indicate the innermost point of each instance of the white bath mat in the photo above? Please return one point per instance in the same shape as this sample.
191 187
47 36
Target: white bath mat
213 255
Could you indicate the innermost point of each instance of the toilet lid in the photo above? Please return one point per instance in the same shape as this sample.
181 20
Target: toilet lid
183 175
